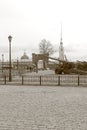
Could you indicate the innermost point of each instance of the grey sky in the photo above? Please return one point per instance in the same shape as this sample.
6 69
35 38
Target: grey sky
29 21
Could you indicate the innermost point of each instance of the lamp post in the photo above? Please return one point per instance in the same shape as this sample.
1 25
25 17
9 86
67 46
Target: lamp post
10 39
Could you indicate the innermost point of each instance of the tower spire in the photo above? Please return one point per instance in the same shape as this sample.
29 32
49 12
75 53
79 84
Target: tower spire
61 35
61 48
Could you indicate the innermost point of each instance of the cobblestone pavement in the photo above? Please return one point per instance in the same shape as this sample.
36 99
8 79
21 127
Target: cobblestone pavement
43 108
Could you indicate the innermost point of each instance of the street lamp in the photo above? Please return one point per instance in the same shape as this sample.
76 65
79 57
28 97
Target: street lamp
10 39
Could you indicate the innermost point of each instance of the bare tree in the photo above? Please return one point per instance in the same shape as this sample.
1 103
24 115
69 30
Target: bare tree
46 47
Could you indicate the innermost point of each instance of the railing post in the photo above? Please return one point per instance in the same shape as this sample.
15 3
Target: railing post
5 79
59 80
78 80
22 80
40 80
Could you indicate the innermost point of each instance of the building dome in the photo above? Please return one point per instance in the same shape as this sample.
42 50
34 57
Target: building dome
24 57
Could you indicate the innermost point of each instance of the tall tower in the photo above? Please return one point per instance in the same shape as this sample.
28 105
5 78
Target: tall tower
61 48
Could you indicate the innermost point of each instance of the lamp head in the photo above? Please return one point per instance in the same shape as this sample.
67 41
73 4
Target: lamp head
9 38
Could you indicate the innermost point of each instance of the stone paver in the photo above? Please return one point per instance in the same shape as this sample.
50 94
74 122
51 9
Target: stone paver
43 108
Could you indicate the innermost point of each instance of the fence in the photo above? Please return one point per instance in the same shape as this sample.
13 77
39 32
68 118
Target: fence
51 80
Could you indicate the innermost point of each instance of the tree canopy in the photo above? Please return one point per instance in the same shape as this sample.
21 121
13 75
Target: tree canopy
46 47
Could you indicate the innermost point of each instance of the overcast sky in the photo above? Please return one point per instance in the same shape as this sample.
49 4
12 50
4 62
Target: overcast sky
29 21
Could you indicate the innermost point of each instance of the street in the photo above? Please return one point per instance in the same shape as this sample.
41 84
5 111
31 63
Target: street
43 108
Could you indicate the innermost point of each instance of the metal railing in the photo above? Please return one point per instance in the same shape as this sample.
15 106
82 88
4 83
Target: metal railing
51 80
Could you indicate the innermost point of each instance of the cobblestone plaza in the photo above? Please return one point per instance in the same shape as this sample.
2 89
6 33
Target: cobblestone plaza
43 108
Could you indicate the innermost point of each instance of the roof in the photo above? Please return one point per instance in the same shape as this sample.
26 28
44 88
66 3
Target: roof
24 57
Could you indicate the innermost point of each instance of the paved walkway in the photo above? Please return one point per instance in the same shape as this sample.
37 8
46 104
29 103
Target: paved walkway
43 108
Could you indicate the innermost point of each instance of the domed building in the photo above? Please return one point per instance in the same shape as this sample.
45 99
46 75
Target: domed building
24 57
25 64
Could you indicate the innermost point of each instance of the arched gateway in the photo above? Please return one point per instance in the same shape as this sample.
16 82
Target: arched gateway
40 60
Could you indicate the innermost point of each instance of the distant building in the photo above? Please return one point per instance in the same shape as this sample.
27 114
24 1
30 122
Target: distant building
19 66
24 57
